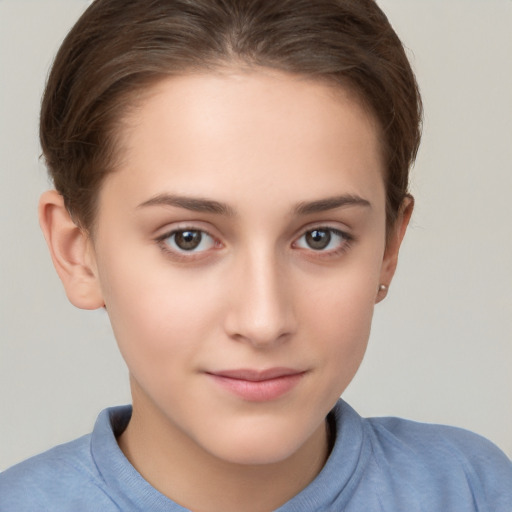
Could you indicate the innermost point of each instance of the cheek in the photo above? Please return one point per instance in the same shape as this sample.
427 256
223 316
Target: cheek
158 315
338 312
343 339
343 326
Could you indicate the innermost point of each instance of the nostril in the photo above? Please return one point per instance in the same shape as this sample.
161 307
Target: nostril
263 326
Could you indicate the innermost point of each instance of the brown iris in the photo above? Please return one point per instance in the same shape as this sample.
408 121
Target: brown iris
188 240
318 239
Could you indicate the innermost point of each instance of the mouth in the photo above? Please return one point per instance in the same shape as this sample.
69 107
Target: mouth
258 385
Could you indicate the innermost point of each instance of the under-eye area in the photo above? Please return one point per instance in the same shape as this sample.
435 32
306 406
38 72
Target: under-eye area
192 242
324 239
187 242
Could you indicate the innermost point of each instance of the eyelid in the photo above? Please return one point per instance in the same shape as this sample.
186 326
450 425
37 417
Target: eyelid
347 240
335 226
184 255
169 228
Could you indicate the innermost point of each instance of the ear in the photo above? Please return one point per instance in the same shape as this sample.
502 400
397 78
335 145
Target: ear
71 251
393 244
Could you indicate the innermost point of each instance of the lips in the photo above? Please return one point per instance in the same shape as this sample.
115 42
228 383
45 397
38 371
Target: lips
258 385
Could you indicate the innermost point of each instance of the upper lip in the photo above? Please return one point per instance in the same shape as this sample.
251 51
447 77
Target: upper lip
257 375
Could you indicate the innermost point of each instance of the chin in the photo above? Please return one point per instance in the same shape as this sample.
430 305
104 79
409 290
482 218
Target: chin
260 444
256 454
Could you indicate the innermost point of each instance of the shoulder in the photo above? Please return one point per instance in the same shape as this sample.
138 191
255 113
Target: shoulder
433 440
56 480
444 457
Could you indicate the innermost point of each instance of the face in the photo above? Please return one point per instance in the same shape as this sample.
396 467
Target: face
238 251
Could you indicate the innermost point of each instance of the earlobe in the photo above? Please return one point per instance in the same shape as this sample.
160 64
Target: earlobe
394 242
71 252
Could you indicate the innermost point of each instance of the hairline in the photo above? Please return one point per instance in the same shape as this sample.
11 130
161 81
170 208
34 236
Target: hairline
135 98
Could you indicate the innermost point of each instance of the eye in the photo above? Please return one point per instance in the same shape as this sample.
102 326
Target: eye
323 239
188 240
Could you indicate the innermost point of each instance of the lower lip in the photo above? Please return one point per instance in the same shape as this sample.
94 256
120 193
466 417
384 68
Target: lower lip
259 391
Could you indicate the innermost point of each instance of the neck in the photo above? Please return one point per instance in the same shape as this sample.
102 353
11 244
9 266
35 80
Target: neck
181 470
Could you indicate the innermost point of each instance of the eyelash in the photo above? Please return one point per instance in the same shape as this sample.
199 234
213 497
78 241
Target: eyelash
343 245
182 254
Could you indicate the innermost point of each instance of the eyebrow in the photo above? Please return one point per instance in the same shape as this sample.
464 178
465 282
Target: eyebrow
198 204
330 203
189 203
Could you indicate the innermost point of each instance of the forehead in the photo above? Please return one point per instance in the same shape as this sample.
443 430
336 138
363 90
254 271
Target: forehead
225 132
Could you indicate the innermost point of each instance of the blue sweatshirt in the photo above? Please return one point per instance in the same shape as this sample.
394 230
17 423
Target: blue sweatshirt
377 464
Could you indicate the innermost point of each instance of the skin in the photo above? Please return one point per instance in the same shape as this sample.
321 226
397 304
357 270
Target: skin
269 149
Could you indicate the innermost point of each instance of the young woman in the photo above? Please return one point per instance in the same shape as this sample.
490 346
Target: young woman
231 185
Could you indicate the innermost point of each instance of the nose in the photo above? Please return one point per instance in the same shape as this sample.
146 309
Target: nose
261 305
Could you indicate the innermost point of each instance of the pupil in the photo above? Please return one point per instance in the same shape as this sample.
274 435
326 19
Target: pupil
188 240
318 239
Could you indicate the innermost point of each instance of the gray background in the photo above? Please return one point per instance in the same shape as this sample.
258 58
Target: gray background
441 346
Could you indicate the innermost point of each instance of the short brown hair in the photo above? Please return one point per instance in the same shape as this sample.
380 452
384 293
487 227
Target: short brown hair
119 47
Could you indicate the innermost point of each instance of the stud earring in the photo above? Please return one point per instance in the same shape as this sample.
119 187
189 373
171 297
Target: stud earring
383 288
